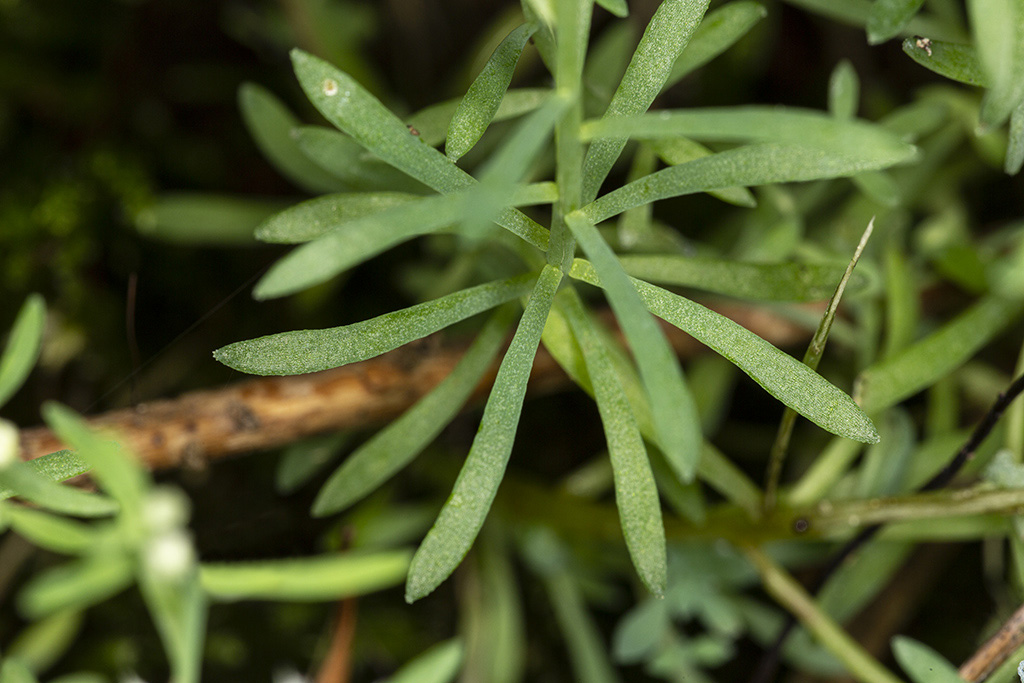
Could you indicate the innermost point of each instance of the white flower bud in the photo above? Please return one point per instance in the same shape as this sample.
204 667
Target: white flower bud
170 556
165 509
10 448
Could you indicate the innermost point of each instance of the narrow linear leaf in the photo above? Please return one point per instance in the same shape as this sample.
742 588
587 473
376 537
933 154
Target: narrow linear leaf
616 7
664 39
326 577
314 218
41 644
179 610
300 351
26 482
952 60
998 28
854 139
355 111
401 441
923 664
57 466
211 219
23 346
271 125
439 664
117 473
843 91
781 375
752 165
50 531
756 281
636 494
719 31
480 104
672 407
679 150
305 459
77 585
922 364
345 158
432 122
888 18
1015 146
463 514
491 618
857 12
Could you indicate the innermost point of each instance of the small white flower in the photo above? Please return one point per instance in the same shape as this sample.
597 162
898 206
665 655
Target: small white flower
170 555
165 509
10 448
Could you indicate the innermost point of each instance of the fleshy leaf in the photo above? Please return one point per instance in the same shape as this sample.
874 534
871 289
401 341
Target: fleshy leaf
346 158
781 375
355 111
439 664
316 579
674 413
998 28
210 219
300 351
23 346
952 60
923 664
271 125
314 218
432 122
463 514
664 39
888 18
480 104
396 445
843 91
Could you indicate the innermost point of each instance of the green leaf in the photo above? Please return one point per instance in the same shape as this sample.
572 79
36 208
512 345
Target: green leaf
679 150
439 664
205 219
432 122
843 91
952 60
757 281
463 514
117 473
641 631
1015 148
23 346
781 375
854 139
315 579
719 31
676 422
477 109
41 644
179 609
76 585
49 531
922 364
491 617
57 466
752 165
355 111
635 492
401 441
346 159
303 460
13 670
314 218
664 39
271 125
923 664
998 28
26 482
300 351
858 12
616 7
888 18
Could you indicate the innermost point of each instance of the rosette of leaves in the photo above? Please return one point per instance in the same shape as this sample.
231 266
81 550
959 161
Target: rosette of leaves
541 198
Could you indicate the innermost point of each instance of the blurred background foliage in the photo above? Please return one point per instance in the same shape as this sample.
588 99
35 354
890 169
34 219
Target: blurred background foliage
106 106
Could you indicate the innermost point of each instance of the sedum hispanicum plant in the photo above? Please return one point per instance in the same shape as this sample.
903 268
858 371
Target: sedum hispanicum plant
763 145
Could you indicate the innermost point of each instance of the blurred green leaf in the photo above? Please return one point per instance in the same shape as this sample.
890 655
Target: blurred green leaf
757 281
676 422
396 445
636 495
178 606
13 670
52 532
26 482
23 346
480 104
39 645
76 585
300 351
1015 148
57 466
781 375
271 125
890 381
952 60
303 460
997 26
432 122
439 664
346 159
316 579
888 18
664 38
205 219
719 31
355 111
491 617
843 91
616 7
463 514
923 664
314 218
641 631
